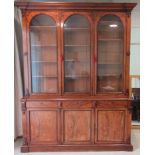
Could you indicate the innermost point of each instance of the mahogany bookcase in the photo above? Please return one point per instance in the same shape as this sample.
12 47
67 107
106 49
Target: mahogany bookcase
76 76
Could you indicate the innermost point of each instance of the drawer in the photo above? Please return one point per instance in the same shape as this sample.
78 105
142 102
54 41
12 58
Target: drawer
111 104
42 104
76 104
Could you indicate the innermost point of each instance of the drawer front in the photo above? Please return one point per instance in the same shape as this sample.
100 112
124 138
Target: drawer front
112 104
42 104
76 104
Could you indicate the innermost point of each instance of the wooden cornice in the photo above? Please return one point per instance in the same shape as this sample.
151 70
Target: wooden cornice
118 7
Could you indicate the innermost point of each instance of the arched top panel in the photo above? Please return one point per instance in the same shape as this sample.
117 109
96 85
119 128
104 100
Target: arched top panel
42 20
110 22
77 21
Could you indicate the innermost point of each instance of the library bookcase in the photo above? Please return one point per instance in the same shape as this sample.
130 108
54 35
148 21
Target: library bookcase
76 76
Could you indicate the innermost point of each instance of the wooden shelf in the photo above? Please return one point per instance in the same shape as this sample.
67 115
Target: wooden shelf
108 75
79 61
109 64
111 22
40 76
76 77
108 39
77 45
44 61
42 26
77 29
44 45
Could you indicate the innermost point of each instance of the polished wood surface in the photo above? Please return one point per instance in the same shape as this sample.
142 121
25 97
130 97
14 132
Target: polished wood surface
41 122
76 76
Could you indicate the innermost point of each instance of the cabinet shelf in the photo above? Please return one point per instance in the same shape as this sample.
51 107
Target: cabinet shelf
75 77
109 63
44 62
42 26
41 76
77 45
77 29
109 39
110 22
44 45
108 75
76 61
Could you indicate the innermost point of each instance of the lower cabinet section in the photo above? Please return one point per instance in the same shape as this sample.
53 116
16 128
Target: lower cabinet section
76 125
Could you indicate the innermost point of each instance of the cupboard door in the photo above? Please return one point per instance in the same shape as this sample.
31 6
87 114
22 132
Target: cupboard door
110 40
77 126
44 126
43 45
77 54
110 126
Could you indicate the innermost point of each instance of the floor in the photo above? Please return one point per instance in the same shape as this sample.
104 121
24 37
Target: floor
135 141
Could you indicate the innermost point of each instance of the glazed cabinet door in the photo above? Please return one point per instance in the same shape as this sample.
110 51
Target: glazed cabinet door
77 54
43 54
110 43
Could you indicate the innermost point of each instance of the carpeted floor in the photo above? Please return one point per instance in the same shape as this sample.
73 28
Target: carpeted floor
135 141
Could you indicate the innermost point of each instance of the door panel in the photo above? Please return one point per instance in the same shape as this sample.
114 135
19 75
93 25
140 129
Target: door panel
77 54
110 37
110 126
77 126
44 126
43 45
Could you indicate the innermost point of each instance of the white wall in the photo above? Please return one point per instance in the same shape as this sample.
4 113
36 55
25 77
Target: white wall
135 45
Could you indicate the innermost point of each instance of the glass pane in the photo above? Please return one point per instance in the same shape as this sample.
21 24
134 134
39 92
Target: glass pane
77 54
43 54
110 54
